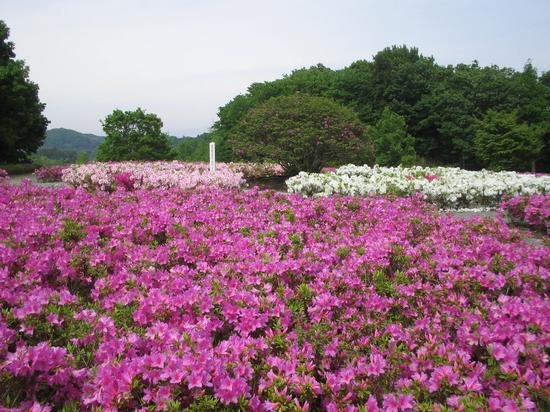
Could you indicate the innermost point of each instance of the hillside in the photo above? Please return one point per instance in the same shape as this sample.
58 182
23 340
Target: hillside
67 144
67 139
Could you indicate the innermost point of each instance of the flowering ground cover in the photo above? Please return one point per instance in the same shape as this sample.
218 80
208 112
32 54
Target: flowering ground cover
149 175
531 210
447 187
224 299
50 173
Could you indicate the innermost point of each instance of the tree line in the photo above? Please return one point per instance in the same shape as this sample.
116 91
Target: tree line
399 108
463 115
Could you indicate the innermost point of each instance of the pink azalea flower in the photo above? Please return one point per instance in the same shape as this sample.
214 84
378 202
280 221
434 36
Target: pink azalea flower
377 365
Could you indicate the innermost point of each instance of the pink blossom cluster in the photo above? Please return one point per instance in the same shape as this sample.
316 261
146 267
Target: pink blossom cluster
150 175
3 175
50 173
533 210
224 299
257 170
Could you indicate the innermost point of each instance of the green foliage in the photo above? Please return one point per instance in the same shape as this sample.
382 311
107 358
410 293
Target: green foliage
316 81
22 124
133 135
13 390
71 231
393 145
400 77
503 143
203 403
382 284
343 252
194 149
300 132
19 168
445 124
439 104
72 406
302 299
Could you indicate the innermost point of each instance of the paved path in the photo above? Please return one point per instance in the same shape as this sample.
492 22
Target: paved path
17 179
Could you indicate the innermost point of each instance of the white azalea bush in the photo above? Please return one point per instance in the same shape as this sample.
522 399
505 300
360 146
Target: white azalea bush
446 186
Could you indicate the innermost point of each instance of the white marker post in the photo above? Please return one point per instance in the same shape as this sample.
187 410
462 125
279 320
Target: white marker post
212 156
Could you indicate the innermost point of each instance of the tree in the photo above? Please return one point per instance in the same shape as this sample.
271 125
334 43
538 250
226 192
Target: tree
445 128
400 77
301 132
133 135
316 81
192 149
393 145
22 124
503 143
440 104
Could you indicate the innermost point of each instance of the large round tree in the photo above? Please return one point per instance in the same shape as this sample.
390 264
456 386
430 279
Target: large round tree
133 135
22 124
301 133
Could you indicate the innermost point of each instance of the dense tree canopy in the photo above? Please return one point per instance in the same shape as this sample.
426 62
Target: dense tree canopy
194 148
504 143
22 124
133 135
440 105
301 132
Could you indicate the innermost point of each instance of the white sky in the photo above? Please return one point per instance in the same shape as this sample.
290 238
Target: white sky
183 59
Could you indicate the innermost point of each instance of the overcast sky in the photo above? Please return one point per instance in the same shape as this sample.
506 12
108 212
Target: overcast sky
183 59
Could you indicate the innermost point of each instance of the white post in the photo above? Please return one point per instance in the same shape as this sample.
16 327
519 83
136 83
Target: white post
212 156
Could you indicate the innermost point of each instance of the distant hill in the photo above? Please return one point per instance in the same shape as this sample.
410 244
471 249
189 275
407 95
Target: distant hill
63 143
68 145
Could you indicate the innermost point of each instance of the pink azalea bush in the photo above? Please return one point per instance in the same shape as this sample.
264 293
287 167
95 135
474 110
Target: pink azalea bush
245 300
50 173
150 175
531 210
257 170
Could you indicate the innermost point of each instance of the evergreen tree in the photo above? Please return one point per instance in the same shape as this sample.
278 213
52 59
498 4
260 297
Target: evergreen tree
393 145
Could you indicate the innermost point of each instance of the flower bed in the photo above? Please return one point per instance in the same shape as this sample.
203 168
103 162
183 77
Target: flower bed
50 173
533 211
214 299
150 175
445 186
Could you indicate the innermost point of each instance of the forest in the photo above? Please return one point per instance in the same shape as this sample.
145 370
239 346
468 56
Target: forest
443 107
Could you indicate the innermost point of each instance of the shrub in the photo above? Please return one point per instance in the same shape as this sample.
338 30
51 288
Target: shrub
301 132
167 299
531 210
50 173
